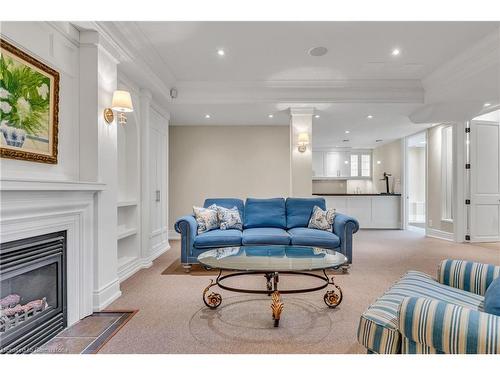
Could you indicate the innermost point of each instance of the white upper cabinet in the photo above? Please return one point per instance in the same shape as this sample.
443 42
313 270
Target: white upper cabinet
342 164
318 164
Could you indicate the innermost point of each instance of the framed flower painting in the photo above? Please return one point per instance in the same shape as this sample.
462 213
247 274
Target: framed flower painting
29 106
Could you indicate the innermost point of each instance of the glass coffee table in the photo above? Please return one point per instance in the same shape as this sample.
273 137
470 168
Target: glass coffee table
271 261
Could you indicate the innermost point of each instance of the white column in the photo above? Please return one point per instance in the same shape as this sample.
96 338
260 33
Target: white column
300 162
98 154
145 104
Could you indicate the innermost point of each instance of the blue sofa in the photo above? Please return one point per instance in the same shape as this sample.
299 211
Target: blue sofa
274 221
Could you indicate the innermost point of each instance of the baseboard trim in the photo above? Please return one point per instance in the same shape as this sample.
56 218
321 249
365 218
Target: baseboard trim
173 235
442 235
105 296
142 263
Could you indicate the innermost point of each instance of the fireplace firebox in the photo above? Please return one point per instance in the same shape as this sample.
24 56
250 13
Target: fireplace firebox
32 291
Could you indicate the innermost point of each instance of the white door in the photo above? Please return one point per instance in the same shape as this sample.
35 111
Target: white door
485 181
158 182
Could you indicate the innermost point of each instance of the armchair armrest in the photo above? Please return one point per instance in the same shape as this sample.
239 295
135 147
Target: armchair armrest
469 276
344 226
447 328
188 228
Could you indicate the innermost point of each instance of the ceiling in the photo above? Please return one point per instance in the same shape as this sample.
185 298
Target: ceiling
266 69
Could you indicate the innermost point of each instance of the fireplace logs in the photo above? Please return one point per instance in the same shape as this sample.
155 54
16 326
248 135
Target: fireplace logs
12 316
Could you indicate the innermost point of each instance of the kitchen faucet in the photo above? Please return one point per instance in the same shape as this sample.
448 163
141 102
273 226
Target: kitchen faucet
386 178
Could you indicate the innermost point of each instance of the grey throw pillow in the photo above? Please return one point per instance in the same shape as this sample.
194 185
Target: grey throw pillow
322 220
206 218
229 218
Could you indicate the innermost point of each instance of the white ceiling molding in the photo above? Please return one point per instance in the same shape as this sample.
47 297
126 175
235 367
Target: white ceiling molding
446 112
475 64
131 61
342 91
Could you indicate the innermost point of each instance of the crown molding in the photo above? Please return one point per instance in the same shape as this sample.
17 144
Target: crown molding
476 59
338 91
131 61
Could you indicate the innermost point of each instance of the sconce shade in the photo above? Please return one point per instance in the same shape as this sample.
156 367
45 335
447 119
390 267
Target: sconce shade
303 139
122 102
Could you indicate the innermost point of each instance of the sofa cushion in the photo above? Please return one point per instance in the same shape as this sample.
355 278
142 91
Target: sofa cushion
492 298
226 203
206 218
322 219
218 238
265 236
299 210
229 218
378 326
265 213
313 237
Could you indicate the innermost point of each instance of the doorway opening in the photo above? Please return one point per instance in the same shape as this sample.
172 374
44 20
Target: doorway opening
416 181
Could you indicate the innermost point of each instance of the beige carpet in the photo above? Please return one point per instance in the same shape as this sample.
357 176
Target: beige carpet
173 319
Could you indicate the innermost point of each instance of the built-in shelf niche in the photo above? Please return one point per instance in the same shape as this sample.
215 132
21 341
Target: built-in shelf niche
128 206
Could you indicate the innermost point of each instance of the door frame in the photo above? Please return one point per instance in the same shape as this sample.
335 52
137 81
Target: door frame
405 178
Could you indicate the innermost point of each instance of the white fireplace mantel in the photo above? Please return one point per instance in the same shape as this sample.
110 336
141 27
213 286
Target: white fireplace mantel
34 207
49 185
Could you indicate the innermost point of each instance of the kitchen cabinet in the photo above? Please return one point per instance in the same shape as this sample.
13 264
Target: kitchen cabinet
371 211
337 165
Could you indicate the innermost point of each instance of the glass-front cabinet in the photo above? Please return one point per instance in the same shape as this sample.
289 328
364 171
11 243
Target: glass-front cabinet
332 164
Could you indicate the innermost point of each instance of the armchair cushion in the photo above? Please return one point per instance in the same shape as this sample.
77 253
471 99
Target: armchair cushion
492 298
218 238
470 276
299 210
314 237
378 327
265 236
265 213
447 328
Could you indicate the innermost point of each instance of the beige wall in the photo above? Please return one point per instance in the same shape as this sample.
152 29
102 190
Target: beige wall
389 156
434 181
226 161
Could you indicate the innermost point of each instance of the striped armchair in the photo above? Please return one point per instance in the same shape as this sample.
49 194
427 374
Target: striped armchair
422 315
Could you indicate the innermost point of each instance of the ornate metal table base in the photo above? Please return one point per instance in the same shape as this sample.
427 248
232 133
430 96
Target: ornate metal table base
332 298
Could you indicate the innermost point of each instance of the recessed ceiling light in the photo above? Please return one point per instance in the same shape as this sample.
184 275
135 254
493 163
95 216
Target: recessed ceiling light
369 117
346 162
486 104
378 162
316 116
207 116
270 116
318 51
395 52
221 52
347 131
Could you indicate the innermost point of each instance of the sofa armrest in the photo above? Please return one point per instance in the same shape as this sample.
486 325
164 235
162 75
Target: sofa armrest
188 228
344 226
448 328
469 276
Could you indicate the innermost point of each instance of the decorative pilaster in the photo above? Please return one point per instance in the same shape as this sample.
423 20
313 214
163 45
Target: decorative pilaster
300 162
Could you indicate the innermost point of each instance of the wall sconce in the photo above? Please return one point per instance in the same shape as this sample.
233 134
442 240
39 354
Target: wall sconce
303 141
121 103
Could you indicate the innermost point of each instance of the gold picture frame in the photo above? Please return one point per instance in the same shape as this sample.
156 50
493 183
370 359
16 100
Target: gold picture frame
29 107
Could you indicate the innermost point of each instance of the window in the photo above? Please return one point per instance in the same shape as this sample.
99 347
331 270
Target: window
447 174
354 165
366 167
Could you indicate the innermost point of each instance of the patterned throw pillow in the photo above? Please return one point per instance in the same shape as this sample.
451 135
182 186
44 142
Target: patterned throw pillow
322 220
206 218
229 218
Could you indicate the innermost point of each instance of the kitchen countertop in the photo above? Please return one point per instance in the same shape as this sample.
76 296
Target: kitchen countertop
353 194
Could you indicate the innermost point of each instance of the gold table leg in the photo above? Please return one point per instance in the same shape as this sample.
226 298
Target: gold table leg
276 307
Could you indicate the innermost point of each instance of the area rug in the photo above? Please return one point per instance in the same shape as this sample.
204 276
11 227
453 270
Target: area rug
89 335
